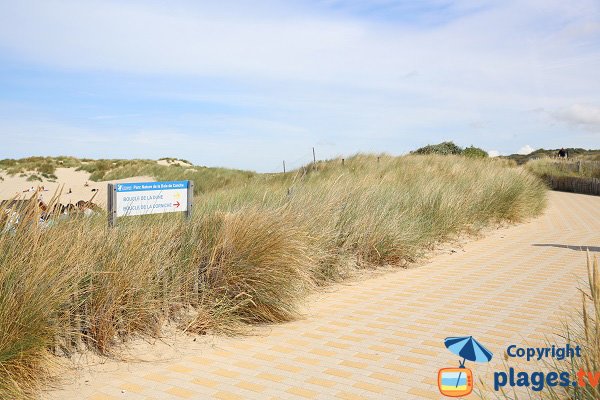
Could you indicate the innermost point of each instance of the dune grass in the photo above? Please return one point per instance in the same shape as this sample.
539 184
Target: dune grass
546 167
584 331
250 254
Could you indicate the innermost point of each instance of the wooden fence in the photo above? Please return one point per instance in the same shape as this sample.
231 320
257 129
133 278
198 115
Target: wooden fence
575 184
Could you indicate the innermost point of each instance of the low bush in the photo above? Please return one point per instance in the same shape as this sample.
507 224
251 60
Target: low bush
33 178
444 148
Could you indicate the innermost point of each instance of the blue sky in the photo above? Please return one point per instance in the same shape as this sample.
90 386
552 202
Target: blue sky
247 84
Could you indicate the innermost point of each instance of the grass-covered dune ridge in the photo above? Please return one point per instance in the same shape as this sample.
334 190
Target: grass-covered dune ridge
205 179
545 167
249 255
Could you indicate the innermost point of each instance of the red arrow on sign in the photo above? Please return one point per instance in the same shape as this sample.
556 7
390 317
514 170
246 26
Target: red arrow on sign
176 204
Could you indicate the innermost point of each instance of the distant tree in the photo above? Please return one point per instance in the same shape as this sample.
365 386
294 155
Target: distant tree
443 148
473 151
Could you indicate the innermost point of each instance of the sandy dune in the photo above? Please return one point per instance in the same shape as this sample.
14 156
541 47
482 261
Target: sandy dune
69 180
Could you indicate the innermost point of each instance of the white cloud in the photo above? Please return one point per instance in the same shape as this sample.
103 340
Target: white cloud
493 153
318 76
527 149
583 115
460 60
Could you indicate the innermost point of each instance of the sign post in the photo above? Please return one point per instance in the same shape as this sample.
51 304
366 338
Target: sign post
144 198
111 204
190 200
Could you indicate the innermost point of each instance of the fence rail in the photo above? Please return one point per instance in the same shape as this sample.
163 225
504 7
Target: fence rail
575 184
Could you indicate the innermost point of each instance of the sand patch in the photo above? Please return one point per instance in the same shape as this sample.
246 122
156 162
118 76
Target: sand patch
169 162
75 186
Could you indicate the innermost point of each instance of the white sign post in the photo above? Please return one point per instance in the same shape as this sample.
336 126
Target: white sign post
143 198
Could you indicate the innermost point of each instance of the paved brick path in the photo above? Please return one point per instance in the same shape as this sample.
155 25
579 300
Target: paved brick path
382 338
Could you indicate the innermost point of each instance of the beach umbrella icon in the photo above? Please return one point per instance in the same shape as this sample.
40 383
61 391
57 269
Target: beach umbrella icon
469 349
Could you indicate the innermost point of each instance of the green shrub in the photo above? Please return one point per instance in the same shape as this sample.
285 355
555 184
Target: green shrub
46 168
472 151
33 178
7 162
444 148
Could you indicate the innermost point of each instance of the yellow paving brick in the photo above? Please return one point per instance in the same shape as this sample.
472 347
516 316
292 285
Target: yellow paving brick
282 349
306 393
399 368
205 382
386 377
361 331
349 396
251 386
368 386
340 323
383 349
338 345
393 341
323 353
246 365
425 352
368 356
338 372
321 382
407 334
308 360
430 381
271 377
327 329
228 396
354 364
352 338
226 373
179 368
297 342
289 368
432 343
428 394
377 325
180 392
265 357
312 335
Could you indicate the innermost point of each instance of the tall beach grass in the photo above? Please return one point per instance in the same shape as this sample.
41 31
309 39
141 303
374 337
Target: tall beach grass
583 331
249 255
